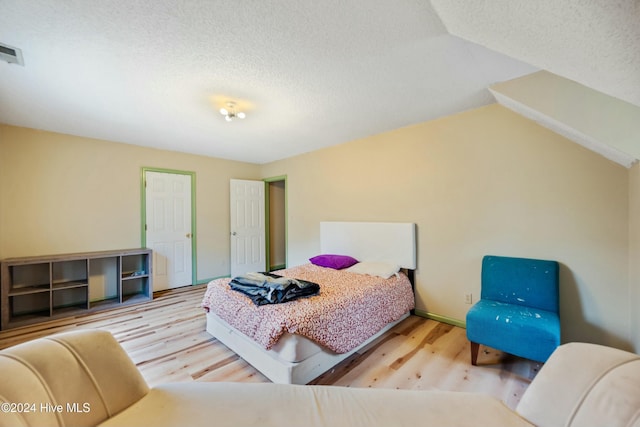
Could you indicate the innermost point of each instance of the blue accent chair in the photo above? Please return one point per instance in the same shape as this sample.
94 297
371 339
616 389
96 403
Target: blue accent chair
518 308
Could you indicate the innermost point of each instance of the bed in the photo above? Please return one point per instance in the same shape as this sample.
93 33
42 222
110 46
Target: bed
297 341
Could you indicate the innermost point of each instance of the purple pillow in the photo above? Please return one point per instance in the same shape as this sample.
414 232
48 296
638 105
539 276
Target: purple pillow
336 262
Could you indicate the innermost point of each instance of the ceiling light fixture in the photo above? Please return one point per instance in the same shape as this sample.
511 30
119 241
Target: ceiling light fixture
230 112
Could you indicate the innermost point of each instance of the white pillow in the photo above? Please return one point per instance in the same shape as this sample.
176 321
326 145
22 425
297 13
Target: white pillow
374 268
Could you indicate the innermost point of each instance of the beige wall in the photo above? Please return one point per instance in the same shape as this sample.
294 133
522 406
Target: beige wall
482 182
634 253
61 194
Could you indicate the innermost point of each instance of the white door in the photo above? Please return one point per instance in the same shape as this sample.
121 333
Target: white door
168 223
247 227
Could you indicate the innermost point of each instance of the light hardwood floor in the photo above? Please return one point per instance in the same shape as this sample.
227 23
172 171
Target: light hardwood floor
166 339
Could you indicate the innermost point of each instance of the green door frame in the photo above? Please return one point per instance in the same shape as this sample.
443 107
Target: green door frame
143 212
267 218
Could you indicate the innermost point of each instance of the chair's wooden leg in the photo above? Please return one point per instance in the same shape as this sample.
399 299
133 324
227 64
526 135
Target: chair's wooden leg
475 347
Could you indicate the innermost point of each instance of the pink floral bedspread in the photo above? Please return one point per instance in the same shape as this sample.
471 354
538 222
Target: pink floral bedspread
350 308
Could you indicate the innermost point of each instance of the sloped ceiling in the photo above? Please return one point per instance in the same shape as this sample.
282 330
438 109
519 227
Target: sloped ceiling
594 42
599 122
308 74
589 90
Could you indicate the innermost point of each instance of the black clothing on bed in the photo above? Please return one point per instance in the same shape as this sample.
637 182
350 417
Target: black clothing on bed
269 288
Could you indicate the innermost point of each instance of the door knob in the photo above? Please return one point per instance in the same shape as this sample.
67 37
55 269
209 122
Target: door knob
233 233
188 235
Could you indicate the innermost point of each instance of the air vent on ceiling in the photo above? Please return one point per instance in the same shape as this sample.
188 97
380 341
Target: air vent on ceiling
12 55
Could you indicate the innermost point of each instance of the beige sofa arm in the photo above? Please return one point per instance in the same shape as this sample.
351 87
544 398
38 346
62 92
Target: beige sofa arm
77 378
585 385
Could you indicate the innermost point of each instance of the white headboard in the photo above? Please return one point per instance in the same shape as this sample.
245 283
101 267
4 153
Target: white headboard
393 242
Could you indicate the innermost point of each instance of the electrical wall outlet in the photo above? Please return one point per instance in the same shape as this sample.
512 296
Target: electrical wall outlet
468 298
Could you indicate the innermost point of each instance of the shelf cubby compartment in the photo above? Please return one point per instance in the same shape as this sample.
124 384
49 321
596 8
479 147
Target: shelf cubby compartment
136 283
26 296
135 265
67 296
70 273
134 287
104 279
27 278
29 306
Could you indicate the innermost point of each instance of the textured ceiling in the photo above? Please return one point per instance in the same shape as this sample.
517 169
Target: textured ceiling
308 74
593 42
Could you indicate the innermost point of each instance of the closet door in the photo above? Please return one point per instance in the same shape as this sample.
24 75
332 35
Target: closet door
168 223
247 227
